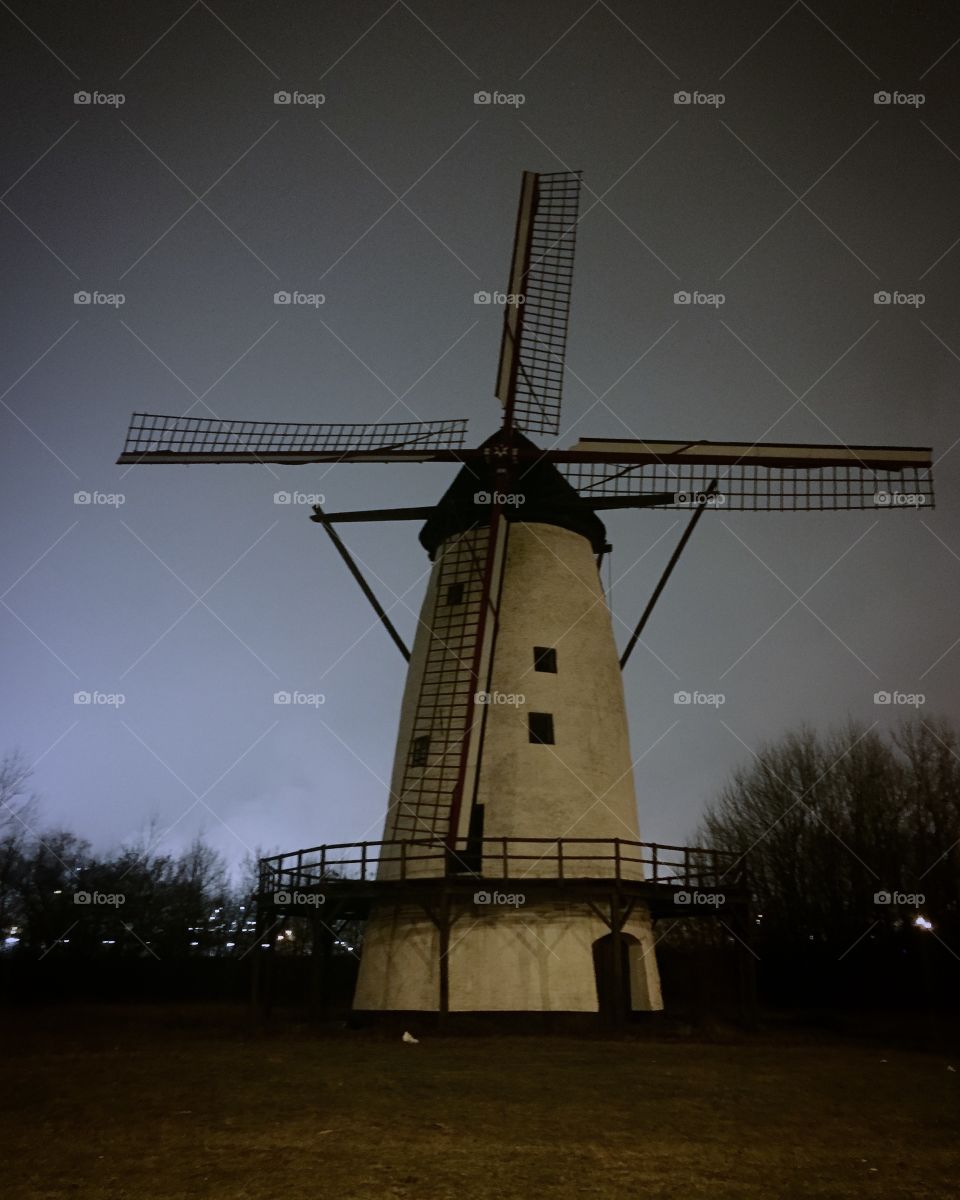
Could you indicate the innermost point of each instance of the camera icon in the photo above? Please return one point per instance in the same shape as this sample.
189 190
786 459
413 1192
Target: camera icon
681 897
82 698
281 297
282 97
482 297
481 497
681 97
282 698
883 499
81 898
281 897
881 297
82 498
881 97
881 697
81 297
282 498
481 897
681 697
882 898
481 697
681 297
481 97
81 97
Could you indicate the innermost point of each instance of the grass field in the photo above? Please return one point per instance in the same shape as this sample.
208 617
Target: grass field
129 1104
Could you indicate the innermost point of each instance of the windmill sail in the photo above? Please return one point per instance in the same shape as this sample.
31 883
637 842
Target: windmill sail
153 438
757 477
442 721
530 375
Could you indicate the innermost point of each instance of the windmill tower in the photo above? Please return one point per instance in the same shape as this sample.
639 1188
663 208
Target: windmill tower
512 804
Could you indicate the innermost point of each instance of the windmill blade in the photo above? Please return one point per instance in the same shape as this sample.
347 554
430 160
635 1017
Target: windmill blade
755 477
532 352
375 514
153 438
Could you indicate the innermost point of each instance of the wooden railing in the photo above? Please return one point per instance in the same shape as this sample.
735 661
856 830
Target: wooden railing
503 858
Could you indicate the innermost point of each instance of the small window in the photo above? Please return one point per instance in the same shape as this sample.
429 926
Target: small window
419 751
455 593
545 659
541 728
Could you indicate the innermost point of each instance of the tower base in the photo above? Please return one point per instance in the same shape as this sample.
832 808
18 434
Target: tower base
506 956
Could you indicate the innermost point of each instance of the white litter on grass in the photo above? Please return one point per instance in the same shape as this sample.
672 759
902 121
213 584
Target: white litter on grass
410 1039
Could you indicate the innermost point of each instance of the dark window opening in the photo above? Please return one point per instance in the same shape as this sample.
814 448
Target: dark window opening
419 751
541 728
455 593
545 659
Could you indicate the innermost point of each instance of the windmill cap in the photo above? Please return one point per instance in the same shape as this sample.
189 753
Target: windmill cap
539 494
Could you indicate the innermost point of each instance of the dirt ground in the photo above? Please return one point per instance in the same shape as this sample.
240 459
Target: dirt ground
126 1104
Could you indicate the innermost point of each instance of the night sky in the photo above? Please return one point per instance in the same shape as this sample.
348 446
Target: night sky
198 198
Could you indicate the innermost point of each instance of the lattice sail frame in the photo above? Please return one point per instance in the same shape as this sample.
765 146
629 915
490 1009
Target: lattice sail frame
153 437
749 488
753 477
530 379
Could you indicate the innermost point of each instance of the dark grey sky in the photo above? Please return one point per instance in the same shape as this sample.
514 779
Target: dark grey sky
798 199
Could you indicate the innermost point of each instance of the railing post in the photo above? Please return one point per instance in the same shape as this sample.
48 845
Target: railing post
363 861
506 860
656 863
560 858
616 856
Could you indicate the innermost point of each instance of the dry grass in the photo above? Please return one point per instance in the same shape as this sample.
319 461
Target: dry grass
130 1104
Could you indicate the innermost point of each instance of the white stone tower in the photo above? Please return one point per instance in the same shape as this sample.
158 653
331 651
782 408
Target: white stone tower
550 759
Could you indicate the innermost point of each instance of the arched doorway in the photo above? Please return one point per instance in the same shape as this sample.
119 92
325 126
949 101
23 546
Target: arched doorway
606 976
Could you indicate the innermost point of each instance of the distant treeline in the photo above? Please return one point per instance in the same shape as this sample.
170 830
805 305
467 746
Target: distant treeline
852 841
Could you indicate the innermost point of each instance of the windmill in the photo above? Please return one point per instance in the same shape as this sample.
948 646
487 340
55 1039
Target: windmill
512 763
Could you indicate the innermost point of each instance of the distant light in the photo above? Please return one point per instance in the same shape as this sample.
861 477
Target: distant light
921 922
108 942
194 943
58 892
230 945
